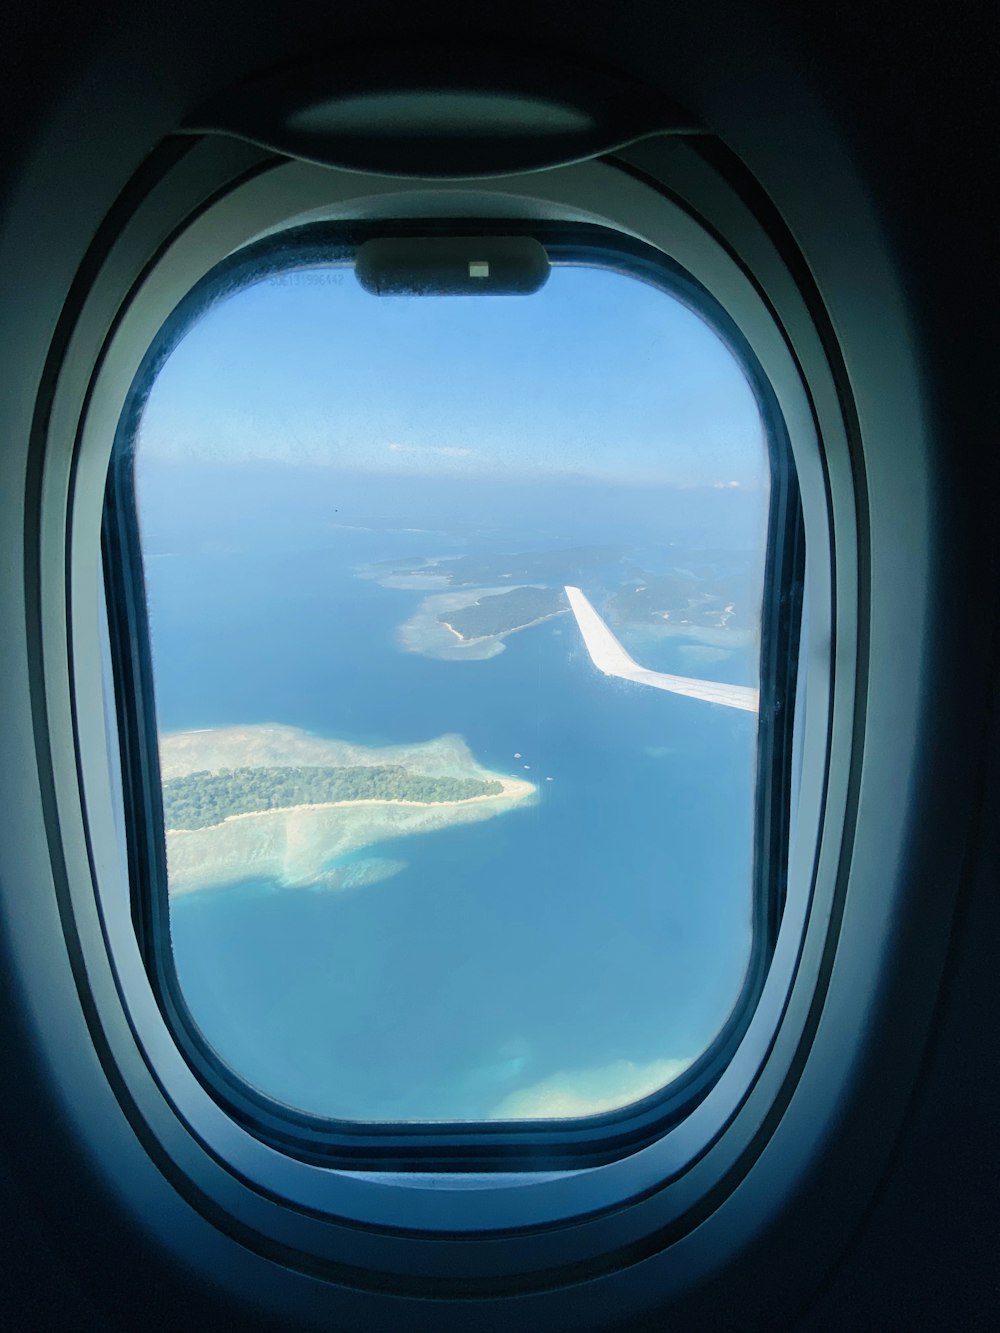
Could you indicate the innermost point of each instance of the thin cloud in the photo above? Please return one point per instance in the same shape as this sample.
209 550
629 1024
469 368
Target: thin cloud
441 450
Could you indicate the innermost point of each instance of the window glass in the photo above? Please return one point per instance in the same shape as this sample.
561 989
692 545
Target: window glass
454 608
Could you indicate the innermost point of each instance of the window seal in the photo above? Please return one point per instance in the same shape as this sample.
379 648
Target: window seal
541 1145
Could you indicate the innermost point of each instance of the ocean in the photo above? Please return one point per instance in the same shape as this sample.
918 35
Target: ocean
608 922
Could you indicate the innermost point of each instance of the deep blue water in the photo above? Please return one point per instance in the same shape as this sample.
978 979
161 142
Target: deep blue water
609 921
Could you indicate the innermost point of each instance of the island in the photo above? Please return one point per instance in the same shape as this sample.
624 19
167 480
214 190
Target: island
472 625
556 566
710 596
203 799
471 602
278 804
503 613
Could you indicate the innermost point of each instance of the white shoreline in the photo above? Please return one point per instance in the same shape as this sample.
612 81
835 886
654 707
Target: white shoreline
503 633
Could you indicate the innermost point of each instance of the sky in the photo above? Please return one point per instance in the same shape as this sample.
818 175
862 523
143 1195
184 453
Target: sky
597 375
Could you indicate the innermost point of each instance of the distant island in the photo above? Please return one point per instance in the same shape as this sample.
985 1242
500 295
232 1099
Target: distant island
504 612
473 601
571 564
202 799
275 803
472 624
684 600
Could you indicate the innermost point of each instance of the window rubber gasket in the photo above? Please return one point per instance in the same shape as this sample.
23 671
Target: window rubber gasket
538 1145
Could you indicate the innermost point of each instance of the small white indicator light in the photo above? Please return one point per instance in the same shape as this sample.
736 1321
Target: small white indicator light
479 268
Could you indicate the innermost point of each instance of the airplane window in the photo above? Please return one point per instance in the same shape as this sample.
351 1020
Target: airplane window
456 620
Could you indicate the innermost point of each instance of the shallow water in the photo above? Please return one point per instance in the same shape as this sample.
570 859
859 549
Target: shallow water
607 922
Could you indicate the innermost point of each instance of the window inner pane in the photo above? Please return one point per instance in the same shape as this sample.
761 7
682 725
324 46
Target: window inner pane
454 610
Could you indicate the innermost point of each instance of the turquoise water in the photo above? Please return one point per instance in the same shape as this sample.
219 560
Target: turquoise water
609 921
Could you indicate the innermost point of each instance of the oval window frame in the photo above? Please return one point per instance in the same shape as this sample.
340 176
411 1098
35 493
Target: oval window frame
517 1146
668 1183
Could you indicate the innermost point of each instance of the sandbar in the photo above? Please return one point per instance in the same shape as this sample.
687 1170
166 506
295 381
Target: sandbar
582 1092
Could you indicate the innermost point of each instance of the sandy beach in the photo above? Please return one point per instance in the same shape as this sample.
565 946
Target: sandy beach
504 634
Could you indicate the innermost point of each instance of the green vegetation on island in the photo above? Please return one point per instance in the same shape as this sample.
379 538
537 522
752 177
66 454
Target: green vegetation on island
503 612
707 596
202 799
570 565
